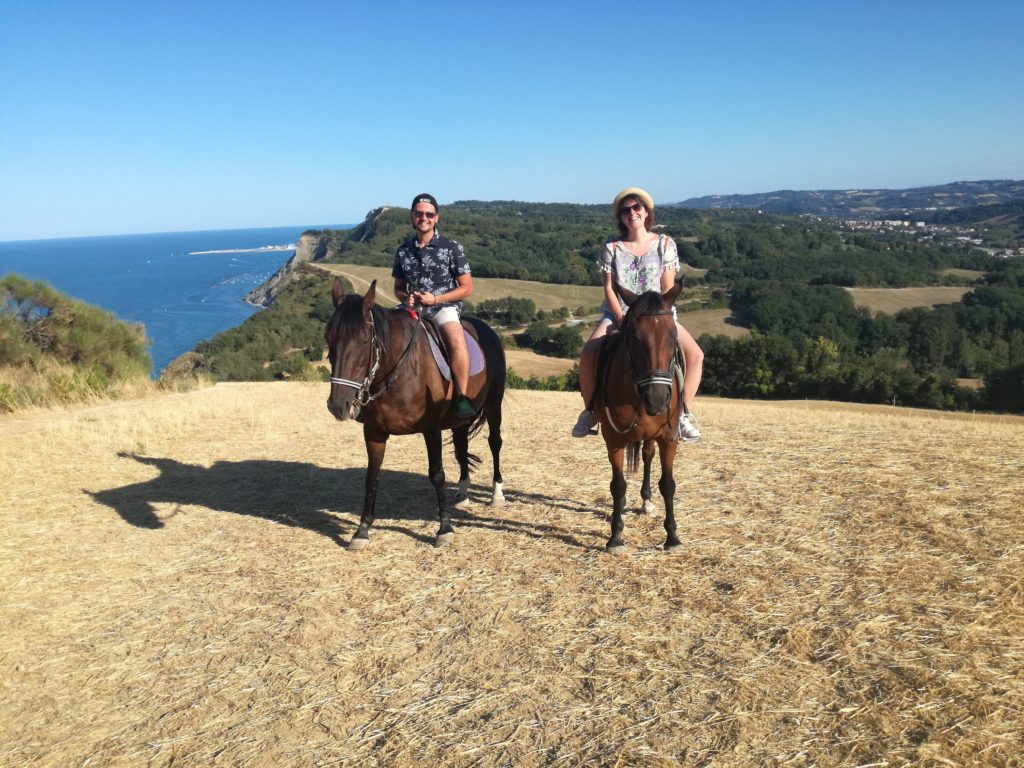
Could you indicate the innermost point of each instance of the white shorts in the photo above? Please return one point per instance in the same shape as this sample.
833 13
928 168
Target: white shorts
445 315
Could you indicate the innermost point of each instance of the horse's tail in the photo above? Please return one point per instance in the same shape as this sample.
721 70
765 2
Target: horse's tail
633 456
494 357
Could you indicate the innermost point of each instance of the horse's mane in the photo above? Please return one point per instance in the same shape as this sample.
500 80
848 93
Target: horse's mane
349 318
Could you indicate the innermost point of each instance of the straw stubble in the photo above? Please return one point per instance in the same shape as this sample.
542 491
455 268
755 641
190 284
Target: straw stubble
175 592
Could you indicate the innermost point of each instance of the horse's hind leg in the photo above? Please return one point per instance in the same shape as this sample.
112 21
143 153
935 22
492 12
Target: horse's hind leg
460 441
435 469
647 506
495 442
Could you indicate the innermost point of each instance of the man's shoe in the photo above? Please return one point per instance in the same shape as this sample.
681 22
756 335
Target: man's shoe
586 424
689 432
464 410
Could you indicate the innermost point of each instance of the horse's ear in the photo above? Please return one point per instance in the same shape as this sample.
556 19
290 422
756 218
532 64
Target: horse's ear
627 295
669 296
337 291
369 297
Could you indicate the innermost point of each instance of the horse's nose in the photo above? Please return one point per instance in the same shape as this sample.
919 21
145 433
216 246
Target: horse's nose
656 399
340 410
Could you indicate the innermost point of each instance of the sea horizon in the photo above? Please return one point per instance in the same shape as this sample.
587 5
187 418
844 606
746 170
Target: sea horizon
170 232
184 287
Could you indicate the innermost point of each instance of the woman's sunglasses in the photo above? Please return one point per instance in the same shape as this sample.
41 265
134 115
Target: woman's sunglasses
635 208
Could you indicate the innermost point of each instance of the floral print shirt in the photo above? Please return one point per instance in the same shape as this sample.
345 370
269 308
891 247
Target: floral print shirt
434 268
638 274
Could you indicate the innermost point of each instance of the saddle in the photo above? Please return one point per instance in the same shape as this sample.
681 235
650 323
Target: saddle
441 354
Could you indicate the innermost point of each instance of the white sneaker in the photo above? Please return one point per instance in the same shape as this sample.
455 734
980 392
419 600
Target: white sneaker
586 424
689 432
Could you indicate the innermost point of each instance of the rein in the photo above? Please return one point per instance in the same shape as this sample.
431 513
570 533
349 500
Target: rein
363 395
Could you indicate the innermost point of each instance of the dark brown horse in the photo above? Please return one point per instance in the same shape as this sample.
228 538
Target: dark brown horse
639 402
383 370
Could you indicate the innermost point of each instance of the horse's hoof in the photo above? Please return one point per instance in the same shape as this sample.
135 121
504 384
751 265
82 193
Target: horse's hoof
358 544
460 501
444 538
648 508
498 501
614 549
674 547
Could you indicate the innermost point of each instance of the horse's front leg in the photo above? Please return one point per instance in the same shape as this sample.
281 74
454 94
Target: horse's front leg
647 507
375 448
615 544
435 470
667 486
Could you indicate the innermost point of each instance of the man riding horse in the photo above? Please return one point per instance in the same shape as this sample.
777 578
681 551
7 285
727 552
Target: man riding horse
432 277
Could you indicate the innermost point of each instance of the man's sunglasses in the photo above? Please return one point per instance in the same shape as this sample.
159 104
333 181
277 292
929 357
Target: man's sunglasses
424 214
635 208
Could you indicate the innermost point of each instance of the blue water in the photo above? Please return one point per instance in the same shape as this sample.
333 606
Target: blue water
181 296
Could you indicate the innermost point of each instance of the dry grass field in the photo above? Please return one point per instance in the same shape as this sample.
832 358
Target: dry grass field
174 591
545 296
527 363
892 300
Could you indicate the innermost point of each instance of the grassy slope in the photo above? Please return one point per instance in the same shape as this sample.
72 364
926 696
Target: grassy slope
176 593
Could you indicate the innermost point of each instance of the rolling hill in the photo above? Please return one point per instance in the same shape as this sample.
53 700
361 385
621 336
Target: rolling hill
867 203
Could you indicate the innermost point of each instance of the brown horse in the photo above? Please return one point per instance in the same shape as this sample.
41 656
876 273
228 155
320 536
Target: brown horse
639 402
383 370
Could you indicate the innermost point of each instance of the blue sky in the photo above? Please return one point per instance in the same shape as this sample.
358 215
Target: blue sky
158 116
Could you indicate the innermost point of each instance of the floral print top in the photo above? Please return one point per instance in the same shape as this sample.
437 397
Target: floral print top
434 268
638 274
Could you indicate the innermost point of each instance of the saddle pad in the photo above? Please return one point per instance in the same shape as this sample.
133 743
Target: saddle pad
476 357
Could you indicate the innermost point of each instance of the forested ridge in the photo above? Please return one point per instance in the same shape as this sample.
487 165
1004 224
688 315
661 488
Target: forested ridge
783 277
559 243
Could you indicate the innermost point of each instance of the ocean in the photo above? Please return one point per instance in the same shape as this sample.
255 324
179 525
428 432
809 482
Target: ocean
184 287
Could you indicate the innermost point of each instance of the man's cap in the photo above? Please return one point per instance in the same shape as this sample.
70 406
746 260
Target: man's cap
425 198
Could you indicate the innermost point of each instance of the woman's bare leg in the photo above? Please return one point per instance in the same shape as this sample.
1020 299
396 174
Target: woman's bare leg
693 358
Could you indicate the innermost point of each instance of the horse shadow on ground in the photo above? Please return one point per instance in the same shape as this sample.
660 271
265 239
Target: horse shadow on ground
327 501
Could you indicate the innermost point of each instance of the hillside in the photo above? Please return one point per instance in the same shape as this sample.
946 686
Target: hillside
768 295
177 593
55 349
868 203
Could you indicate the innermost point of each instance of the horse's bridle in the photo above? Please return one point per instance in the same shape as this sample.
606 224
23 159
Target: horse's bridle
363 396
652 376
